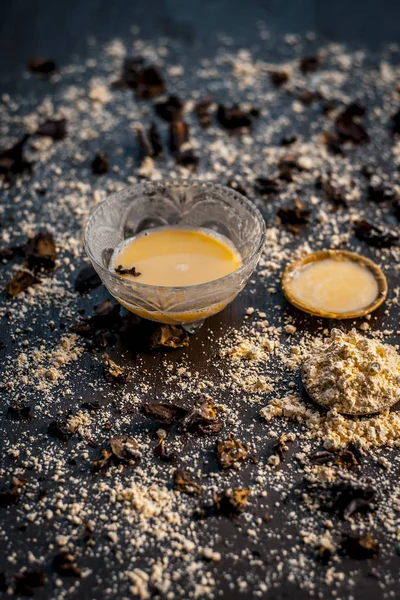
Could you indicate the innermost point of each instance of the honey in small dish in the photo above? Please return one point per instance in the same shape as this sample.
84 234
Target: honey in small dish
176 257
335 284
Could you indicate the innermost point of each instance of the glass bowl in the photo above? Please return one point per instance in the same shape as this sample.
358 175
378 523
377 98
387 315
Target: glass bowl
184 203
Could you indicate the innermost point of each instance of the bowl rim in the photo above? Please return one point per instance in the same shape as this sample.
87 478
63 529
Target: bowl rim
377 272
186 183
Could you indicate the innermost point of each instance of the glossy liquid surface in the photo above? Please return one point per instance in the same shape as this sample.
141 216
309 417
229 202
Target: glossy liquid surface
177 257
339 286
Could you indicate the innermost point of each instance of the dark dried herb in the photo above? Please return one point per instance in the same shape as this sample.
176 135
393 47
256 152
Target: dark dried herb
155 140
13 161
130 68
202 110
231 451
120 449
102 326
348 126
380 191
124 448
308 97
333 143
203 418
368 171
160 449
279 78
183 483
373 235
328 107
150 142
60 429
294 216
87 280
288 140
11 252
120 270
113 373
167 414
237 187
290 160
265 186
41 251
321 457
19 412
171 109
149 83
168 336
54 128
346 459
280 447
88 532
103 461
396 208
11 496
230 503
28 579
309 64
343 497
359 547
335 193
42 66
20 282
357 505
64 564
178 135
235 117
100 164
395 119
187 159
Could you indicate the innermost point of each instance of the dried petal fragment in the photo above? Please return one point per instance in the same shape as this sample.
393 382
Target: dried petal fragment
169 336
160 449
231 451
12 495
279 78
294 216
235 117
202 110
203 418
60 429
183 483
13 162
375 236
149 83
162 413
346 459
280 447
64 564
178 135
171 109
100 164
87 280
113 373
28 579
54 128
125 448
309 64
42 66
266 186
20 412
348 126
41 251
359 547
230 503
20 282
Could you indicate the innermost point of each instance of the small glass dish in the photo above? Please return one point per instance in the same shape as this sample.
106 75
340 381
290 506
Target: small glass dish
184 203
